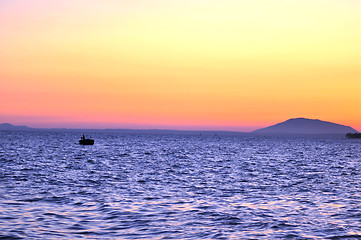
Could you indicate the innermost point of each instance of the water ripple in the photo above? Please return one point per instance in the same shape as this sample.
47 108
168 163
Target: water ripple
132 186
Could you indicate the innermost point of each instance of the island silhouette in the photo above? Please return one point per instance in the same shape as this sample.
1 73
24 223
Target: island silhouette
293 126
8 126
306 126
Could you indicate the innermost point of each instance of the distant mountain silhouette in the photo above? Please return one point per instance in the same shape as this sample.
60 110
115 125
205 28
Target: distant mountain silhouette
306 126
8 126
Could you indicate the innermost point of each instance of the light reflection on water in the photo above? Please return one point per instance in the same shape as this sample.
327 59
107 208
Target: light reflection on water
178 187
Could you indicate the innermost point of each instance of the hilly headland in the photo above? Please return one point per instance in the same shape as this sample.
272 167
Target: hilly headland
293 126
305 126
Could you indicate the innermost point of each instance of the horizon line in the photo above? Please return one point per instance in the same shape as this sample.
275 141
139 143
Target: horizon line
131 129
159 128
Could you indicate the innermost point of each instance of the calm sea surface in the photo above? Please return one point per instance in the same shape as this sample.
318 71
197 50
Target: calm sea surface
134 186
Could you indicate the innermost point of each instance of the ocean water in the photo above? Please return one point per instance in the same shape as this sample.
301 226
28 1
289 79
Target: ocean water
142 186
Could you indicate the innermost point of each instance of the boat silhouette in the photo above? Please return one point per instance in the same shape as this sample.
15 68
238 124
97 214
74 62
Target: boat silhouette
86 141
353 135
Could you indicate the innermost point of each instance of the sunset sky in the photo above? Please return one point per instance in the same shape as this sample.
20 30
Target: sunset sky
190 64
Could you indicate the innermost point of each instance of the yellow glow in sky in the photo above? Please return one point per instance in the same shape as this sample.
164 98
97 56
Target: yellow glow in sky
231 65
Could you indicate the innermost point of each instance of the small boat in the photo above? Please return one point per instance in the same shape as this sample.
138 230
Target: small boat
86 141
353 135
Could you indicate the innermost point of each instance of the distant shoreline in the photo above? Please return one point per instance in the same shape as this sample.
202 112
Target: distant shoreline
174 132
290 127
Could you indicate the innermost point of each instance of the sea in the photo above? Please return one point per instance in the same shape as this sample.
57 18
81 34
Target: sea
174 186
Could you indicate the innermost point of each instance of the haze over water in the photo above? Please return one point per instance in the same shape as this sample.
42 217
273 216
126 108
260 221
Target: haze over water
134 186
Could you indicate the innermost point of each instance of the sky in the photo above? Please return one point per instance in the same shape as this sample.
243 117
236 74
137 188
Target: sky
192 64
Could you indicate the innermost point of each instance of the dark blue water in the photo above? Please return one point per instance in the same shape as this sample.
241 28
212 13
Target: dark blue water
130 186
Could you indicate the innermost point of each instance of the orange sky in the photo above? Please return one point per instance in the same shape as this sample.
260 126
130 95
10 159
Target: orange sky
190 64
